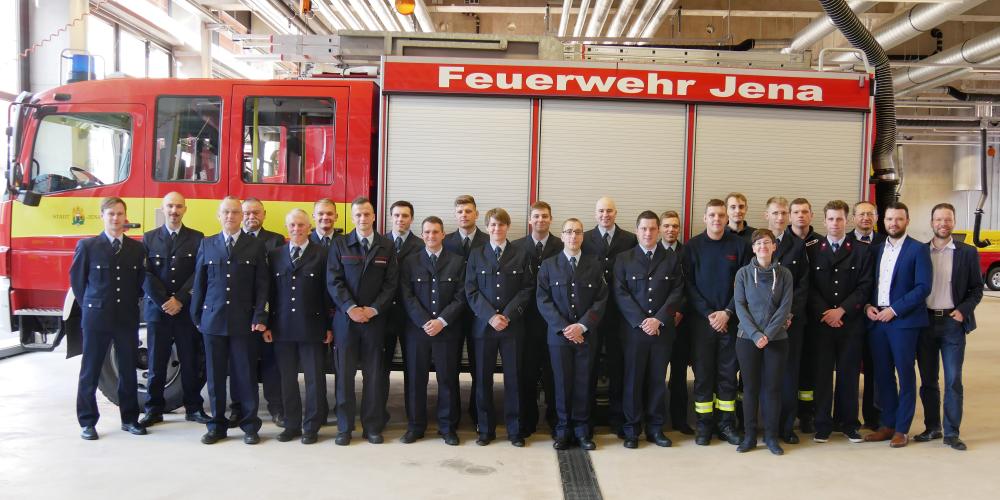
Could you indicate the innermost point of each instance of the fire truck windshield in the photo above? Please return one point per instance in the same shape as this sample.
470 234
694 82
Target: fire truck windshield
80 150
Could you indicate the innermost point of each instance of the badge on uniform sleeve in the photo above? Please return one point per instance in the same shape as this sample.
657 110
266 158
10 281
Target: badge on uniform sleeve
813 242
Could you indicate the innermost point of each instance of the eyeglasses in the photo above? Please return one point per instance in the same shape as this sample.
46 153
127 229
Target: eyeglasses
865 214
572 231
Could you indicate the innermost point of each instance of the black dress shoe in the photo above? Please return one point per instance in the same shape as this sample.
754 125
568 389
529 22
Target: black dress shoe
411 437
251 438
728 434
450 439
343 439
747 445
374 438
561 444
234 421
89 433
150 419
134 429
684 429
774 447
517 441
790 438
631 443
587 444
953 441
485 439
927 435
659 438
309 438
212 438
279 420
197 416
288 435
703 439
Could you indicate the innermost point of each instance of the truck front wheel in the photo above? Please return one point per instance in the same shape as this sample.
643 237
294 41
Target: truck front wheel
993 278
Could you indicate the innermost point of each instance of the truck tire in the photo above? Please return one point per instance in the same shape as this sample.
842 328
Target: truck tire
173 393
993 278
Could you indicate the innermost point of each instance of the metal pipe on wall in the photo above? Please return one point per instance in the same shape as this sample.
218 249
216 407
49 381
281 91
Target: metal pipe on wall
821 27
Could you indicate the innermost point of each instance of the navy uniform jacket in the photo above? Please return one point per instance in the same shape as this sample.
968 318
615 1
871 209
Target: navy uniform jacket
229 292
565 297
429 292
746 233
169 269
842 279
270 239
645 288
966 283
314 238
593 244
356 279
453 242
553 246
411 245
876 238
912 276
791 253
498 288
107 286
299 304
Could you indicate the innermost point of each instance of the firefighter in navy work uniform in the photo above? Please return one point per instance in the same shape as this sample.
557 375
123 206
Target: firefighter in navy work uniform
171 251
405 244
790 252
540 244
324 217
680 352
571 296
106 277
300 326
432 290
267 366
361 278
498 285
228 302
649 289
605 242
841 277
801 227
864 215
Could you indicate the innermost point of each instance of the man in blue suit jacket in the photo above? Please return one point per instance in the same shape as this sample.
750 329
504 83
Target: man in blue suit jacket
106 277
956 290
897 312
227 305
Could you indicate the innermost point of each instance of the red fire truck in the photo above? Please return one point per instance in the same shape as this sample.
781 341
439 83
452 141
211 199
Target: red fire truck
669 135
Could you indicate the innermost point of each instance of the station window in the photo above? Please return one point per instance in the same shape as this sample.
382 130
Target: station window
288 140
81 150
187 139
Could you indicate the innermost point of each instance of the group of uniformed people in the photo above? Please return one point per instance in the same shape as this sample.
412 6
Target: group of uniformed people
777 312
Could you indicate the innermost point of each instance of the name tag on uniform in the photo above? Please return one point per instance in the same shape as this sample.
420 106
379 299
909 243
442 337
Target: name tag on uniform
381 261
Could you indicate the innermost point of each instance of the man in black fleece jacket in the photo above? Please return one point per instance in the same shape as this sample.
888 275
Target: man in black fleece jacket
710 265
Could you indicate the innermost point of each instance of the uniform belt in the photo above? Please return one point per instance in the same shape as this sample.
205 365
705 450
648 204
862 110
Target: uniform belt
939 313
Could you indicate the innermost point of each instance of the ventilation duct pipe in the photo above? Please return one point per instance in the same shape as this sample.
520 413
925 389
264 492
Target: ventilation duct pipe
822 26
621 17
596 23
659 16
581 18
564 17
978 50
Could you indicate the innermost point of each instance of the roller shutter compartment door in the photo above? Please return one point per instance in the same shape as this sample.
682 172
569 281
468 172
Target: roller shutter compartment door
630 151
765 152
442 147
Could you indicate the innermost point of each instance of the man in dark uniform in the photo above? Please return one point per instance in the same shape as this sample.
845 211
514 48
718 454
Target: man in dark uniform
711 260
571 295
253 225
864 216
300 326
605 242
228 305
361 278
106 277
790 252
539 244
171 251
649 289
405 244
801 227
956 290
680 353
498 285
736 210
324 217
432 290
462 242
840 284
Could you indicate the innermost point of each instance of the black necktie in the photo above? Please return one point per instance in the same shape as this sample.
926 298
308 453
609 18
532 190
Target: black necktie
866 238
836 246
173 240
434 261
538 250
326 241
499 252
296 254
465 246
399 243
607 239
572 263
230 243
364 245
649 255
670 249
173 236
116 246
253 234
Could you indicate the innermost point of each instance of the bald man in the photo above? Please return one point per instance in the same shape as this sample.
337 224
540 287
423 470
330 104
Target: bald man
605 242
171 251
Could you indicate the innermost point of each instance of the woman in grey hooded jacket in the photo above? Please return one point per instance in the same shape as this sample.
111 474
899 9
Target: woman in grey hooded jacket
763 298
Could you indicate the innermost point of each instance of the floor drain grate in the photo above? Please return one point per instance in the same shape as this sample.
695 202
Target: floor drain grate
579 481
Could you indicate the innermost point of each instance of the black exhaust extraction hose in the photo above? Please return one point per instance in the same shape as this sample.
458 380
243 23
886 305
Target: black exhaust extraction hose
885 173
982 194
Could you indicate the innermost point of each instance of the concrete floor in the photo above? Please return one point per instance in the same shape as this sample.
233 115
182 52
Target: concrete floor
41 455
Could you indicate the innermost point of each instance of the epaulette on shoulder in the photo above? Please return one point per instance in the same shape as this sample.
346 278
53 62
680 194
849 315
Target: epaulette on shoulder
811 242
